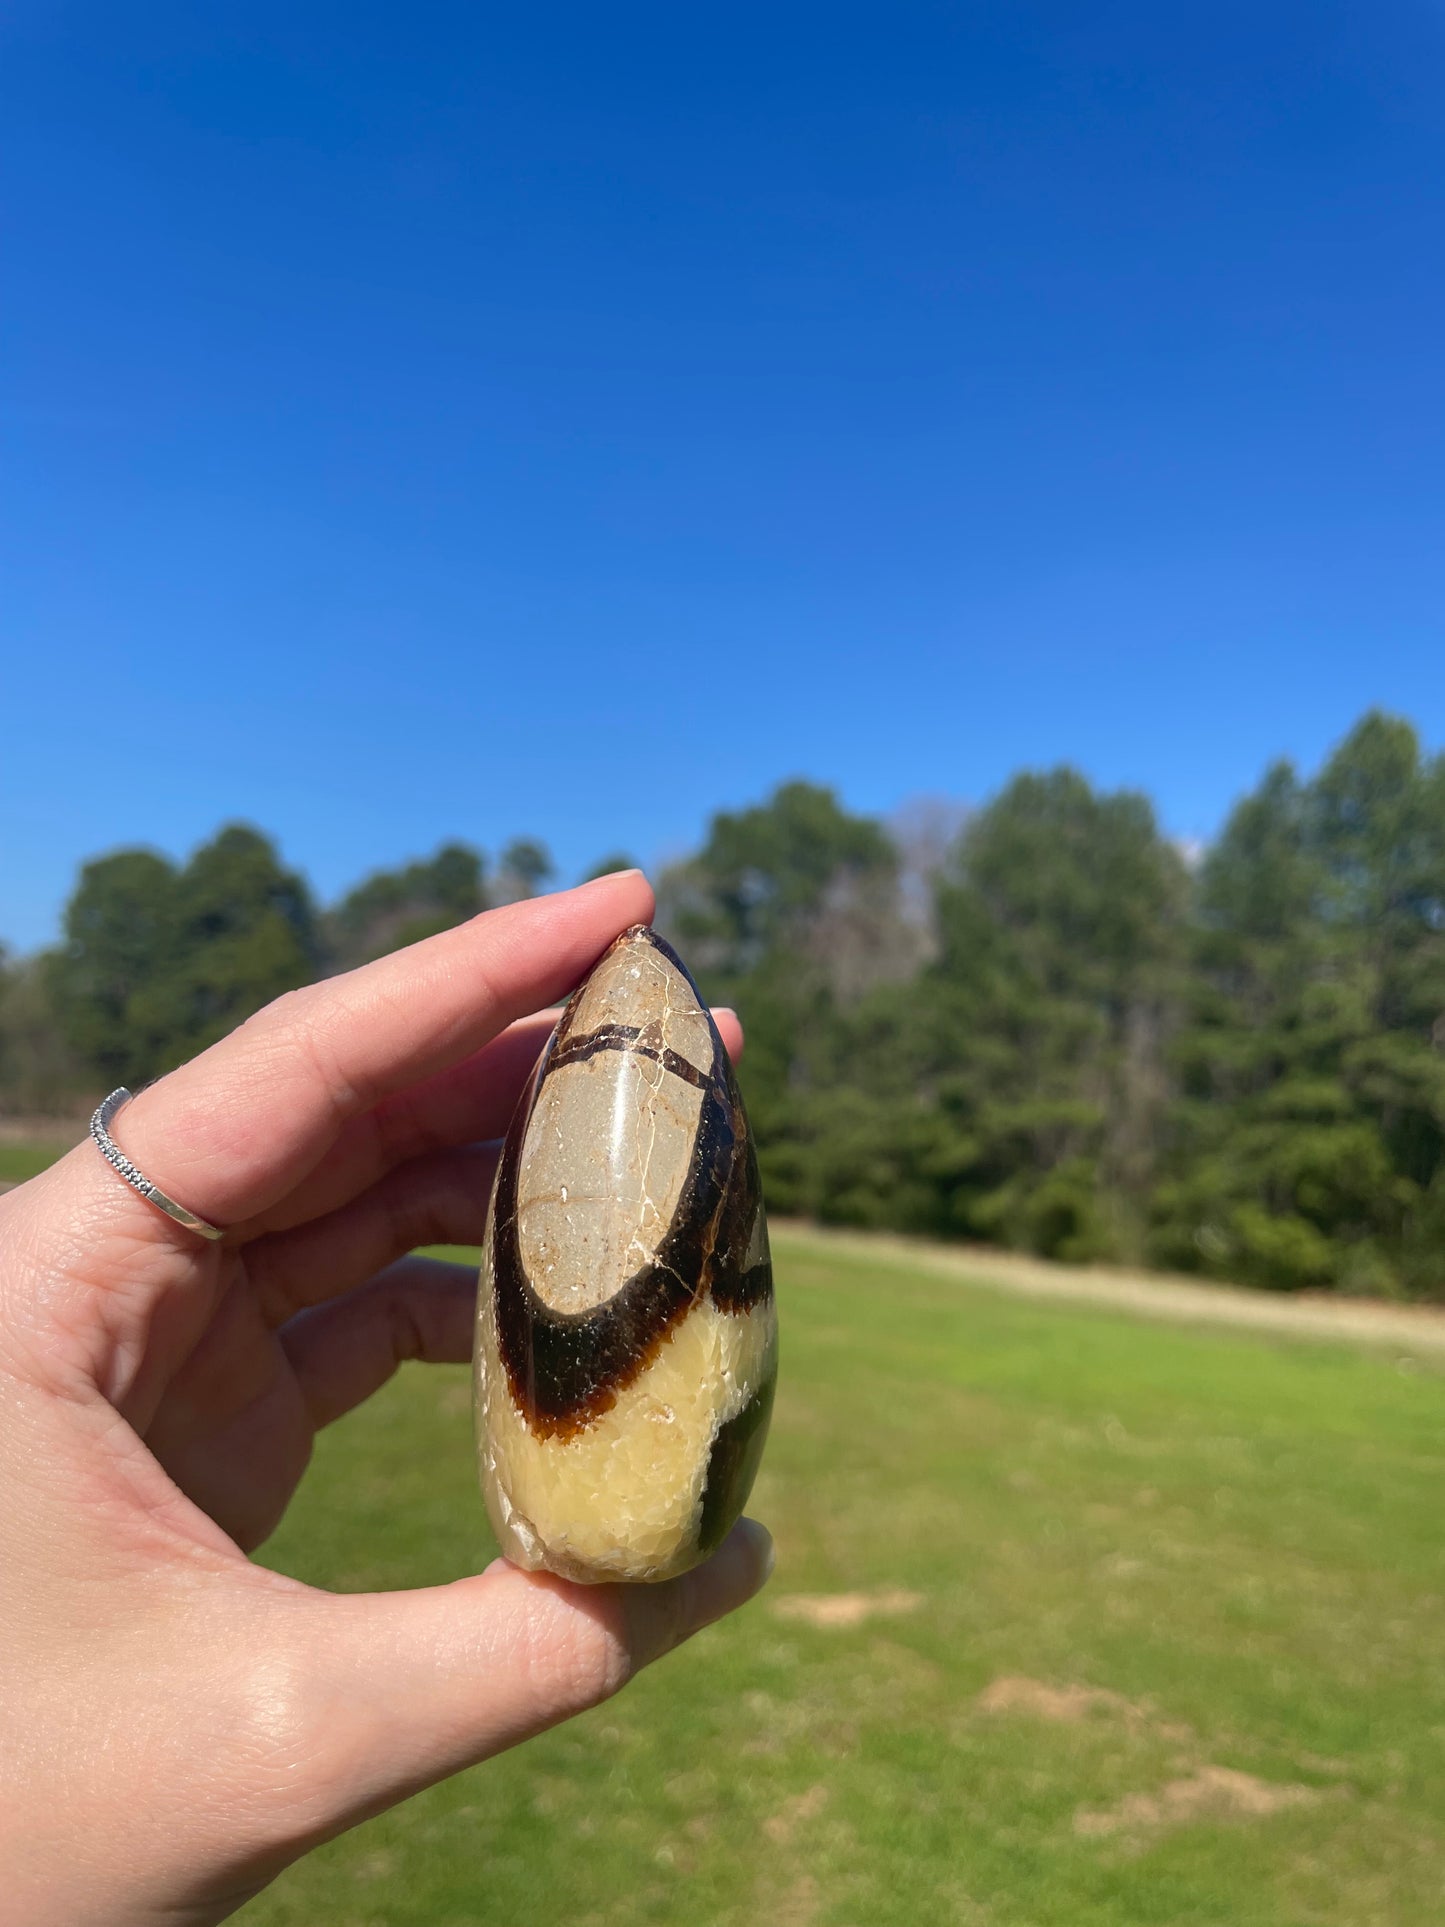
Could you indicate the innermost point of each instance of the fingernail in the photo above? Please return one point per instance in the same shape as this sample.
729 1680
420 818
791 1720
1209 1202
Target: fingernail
612 876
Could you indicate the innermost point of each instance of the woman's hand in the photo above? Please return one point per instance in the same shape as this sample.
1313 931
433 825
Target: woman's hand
176 1724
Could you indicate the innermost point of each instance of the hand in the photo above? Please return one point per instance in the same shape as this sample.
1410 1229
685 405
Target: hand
177 1724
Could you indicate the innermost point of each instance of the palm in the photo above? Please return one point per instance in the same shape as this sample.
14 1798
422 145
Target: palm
226 1361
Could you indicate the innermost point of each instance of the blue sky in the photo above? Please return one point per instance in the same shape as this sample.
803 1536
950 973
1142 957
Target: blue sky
438 420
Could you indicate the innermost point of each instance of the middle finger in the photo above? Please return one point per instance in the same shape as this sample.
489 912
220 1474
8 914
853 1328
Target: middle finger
470 1103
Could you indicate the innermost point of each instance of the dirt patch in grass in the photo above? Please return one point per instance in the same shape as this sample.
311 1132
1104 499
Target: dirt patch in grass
798 1907
1205 1792
1013 1693
1066 1705
1210 1793
834 1610
781 1826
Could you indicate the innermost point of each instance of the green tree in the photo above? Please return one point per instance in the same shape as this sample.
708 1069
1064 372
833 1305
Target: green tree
1061 926
788 912
523 867
39 1075
393 908
766 875
121 934
1307 1135
157 962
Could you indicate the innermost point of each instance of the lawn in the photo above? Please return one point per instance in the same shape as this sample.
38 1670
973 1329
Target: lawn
1078 1619
27 1160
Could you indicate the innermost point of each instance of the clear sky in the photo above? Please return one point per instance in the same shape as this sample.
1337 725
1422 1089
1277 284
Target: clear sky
464 420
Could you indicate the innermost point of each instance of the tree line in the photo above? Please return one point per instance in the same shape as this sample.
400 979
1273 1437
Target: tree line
1039 1026
159 959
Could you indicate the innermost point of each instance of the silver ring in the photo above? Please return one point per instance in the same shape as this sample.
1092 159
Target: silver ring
152 1193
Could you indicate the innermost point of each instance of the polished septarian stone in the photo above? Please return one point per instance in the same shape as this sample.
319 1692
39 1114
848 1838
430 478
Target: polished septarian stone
626 1331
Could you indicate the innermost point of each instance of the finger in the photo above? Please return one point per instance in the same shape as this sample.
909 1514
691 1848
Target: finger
237 1128
461 1105
414 1686
344 1351
441 1199
467 1103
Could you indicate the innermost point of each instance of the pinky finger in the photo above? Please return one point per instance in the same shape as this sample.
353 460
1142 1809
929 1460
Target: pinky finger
346 1349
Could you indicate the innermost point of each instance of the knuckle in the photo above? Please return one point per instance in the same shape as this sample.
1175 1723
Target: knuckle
301 1024
438 1198
576 1656
399 1131
270 1744
287 1010
413 1212
278 1029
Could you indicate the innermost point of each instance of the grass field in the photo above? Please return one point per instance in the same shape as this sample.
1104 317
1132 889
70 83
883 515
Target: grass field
1078 1619
26 1160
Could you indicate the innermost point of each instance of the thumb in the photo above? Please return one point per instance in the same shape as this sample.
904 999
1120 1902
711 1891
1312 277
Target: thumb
416 1685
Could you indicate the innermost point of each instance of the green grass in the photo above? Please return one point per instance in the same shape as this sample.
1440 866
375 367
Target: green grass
1237 1538
21 1161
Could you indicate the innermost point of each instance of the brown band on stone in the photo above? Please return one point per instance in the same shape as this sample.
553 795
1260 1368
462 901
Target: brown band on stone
629 1038
732 1464
740 1291
566 1369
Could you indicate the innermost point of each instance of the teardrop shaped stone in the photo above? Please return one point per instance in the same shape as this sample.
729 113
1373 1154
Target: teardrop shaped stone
626 1331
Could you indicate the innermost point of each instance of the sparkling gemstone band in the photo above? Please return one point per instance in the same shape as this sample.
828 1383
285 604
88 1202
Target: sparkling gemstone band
100 1130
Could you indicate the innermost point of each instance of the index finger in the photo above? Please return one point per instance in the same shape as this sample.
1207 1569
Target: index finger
240 1125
